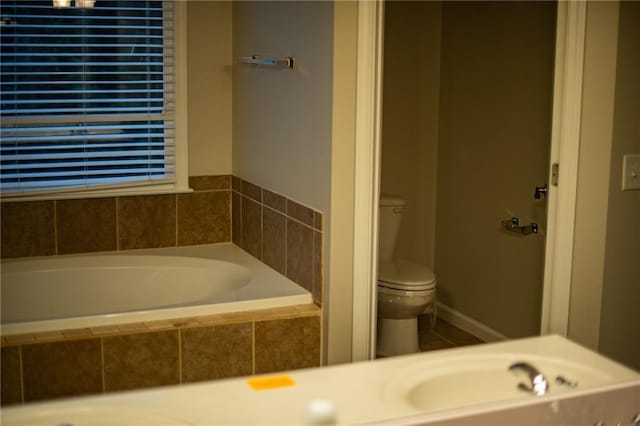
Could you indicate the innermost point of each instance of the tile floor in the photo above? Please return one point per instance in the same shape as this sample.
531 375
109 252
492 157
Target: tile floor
443 336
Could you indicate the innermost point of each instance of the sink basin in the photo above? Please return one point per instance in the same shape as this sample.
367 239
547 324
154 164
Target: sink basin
469 380
89 416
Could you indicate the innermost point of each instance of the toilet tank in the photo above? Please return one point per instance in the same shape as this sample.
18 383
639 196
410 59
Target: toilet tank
391 208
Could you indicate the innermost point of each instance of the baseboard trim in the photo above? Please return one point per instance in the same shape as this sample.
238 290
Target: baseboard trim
469 324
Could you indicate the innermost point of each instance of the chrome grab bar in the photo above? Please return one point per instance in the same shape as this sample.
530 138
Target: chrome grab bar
267 61
539 385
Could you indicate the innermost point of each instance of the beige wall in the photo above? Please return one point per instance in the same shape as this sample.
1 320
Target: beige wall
209 87
410 121
282 117
619 327
495 120
593 172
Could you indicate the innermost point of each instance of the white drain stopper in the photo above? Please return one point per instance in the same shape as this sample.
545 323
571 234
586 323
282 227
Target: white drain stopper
321 412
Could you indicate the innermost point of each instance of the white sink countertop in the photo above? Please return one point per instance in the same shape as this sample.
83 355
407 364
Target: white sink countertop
366 392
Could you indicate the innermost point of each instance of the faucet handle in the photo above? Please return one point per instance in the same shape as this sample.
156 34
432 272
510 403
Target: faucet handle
539 385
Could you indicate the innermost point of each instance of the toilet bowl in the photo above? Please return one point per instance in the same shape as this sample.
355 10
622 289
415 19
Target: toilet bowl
405 289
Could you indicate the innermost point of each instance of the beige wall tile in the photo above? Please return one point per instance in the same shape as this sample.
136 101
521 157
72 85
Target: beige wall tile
28 229
104 329
251 190
76 333
277 313
17 339
48 335
300 254
252 227
317 220
132 327
11 383
275 201
203 218
231 317
300 212
236 183
146 221
287 344
274 227
236 219
159 325
308 309
317 268
141 360
217 352
61 369
86 225
209 320
200 183
184 322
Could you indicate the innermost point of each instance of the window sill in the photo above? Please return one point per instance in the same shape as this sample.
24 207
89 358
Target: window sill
120 192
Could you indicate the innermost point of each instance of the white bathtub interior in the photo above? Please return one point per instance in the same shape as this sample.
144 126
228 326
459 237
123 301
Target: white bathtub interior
89 290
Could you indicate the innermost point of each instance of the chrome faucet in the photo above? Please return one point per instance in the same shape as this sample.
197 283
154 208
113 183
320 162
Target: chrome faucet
539 385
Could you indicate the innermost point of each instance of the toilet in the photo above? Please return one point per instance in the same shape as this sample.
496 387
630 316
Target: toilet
405 289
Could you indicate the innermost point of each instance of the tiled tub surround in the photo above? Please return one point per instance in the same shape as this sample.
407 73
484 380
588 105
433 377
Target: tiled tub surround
280 232
134 356
44 228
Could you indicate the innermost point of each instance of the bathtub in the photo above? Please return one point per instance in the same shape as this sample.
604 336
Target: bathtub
91 290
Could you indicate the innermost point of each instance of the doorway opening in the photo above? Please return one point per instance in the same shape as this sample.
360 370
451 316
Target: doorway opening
490 125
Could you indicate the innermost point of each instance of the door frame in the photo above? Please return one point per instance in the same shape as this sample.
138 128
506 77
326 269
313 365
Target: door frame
565 143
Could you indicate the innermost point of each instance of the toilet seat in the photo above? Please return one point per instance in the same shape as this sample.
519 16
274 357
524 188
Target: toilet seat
405 275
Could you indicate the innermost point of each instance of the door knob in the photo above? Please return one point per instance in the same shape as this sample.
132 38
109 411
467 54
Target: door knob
540 191
513 225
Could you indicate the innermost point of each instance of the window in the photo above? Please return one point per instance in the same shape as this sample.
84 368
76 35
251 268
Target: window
88 97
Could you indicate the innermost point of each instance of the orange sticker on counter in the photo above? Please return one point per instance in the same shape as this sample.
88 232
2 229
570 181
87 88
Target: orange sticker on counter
271 382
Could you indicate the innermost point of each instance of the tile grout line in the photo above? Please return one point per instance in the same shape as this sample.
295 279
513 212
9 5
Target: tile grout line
253 347
241 219
230 213
285 214
321 319
104 379
180 355
313 264
21 374
275 210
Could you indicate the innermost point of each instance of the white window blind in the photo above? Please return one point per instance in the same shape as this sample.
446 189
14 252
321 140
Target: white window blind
87 95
